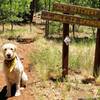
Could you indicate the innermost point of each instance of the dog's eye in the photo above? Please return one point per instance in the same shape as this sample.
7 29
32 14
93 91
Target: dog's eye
11 48
5 49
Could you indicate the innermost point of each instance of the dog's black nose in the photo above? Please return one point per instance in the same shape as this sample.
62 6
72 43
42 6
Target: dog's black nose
8 55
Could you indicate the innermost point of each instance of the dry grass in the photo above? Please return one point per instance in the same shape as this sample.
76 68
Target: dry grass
48 56
47 59
81 56
21 30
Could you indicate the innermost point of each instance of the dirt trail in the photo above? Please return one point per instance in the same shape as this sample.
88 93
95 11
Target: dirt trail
27 93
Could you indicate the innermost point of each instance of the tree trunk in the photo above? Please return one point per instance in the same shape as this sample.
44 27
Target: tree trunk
73 29
12 26
32 8
46 28
93 29
30 26
47 21
3 27
49 5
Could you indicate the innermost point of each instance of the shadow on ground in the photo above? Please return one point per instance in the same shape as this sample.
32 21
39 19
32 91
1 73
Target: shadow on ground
4 91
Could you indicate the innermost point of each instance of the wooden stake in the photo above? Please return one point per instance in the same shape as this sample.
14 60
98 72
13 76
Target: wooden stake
65 51
96 71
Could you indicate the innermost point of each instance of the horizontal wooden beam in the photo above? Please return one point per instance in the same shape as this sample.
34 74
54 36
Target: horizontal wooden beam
73 9
64 18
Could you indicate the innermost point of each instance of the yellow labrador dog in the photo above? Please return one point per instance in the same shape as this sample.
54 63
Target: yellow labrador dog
13 68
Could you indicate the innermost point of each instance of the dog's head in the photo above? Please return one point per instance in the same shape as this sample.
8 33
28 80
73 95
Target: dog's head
9 51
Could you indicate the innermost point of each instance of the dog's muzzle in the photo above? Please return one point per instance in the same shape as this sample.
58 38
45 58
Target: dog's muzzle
9 56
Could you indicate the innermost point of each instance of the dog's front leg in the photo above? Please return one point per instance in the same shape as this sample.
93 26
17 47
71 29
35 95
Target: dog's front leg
18 87
17 90
8 89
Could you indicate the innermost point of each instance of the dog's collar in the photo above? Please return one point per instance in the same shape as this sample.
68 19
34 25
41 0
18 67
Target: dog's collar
10 64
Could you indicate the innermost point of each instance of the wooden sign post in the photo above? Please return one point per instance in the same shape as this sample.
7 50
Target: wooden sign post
69 18
65 50
96 71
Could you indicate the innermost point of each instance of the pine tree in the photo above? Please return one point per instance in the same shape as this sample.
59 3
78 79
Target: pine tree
12 11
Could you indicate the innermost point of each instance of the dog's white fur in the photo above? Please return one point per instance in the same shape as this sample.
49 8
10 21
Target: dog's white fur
16 75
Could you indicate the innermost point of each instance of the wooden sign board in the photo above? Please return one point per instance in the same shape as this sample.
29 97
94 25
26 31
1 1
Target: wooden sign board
64 18
73 9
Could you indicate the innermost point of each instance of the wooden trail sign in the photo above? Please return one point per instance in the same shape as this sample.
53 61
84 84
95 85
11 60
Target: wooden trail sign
68 18
73 9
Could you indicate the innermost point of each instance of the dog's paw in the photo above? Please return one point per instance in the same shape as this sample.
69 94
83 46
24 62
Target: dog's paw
17 93
21 88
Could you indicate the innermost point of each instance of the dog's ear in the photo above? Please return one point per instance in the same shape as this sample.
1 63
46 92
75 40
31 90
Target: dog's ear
3 47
